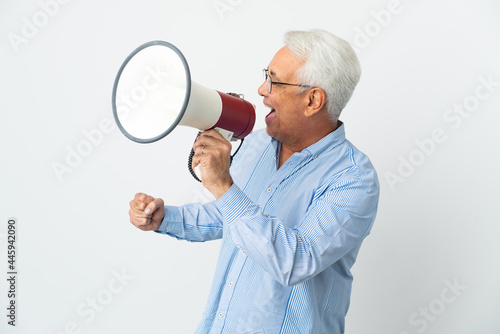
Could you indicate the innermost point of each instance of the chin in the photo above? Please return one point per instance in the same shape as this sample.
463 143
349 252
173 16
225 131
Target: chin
268 131
271 133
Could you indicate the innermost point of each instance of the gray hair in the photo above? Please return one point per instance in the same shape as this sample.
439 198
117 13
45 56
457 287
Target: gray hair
330 64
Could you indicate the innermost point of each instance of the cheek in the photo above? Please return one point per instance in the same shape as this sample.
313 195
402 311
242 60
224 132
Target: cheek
290 115
287 112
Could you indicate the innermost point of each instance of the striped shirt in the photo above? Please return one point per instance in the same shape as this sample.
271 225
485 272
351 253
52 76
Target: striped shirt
289 236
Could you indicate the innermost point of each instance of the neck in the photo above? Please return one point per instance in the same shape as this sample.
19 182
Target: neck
310 137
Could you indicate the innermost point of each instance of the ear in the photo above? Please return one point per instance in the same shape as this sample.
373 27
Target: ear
316 101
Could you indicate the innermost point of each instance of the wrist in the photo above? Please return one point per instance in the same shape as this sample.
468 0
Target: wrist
219 190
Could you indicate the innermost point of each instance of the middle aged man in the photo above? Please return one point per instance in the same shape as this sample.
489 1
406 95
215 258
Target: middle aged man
293 208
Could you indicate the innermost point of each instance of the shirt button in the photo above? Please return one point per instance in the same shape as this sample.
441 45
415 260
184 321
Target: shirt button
316 156
269 190
230 284
168 228
221 315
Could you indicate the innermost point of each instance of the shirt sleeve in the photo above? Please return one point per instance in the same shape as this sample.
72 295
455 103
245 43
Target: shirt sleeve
193 222
339 217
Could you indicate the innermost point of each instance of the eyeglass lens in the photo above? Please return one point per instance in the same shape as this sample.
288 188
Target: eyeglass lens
268 80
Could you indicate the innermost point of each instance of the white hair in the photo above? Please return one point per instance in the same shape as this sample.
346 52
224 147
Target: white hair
330 64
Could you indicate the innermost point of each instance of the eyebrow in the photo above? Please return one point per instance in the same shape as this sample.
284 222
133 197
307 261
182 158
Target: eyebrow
273 74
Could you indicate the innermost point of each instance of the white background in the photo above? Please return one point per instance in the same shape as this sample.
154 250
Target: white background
437 224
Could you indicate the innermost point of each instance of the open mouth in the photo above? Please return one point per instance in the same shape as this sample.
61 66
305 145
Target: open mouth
272 113
271 117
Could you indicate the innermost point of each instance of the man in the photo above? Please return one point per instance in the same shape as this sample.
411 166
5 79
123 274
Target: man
293 208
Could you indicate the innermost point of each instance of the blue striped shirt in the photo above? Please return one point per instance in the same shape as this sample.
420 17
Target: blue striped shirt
289 236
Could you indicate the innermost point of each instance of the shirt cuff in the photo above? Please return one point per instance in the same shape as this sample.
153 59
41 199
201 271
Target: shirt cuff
172 222
233 204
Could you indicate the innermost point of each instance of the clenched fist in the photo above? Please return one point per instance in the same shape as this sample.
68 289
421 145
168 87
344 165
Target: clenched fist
146 212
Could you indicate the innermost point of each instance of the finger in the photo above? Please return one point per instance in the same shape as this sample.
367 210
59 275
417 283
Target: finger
195 161
138 205
140 201
202 150
143 197
151 221
135 204
210 138
207 147
159 213
153 206
138 218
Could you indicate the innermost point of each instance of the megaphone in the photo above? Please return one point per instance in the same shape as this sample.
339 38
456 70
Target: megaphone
153 93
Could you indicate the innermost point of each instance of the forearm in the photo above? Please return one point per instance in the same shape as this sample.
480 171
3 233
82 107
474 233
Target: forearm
193 222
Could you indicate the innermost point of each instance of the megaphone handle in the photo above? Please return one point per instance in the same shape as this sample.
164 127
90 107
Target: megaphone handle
197 176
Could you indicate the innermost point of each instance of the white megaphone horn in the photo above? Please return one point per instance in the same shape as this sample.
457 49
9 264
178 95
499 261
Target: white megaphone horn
153 93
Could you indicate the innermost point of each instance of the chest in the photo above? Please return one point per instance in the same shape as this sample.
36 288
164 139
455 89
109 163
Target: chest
285 192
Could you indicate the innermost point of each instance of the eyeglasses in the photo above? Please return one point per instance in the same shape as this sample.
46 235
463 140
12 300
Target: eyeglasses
270 83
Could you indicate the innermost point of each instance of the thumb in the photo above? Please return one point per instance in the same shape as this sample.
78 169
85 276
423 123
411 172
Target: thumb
152 206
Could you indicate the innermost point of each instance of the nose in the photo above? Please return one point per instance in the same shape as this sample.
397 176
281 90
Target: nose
263 89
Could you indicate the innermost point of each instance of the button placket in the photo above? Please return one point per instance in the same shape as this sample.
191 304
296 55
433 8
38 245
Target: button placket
229 289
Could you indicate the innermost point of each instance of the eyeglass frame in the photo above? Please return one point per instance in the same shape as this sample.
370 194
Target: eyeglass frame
270 83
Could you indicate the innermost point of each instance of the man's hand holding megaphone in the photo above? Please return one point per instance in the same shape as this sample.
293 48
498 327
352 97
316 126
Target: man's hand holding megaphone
213 156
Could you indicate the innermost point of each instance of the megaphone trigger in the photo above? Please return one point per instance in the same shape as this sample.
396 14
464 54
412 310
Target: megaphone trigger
228 135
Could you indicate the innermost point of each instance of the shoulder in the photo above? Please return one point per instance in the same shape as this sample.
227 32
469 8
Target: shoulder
343 164
360 162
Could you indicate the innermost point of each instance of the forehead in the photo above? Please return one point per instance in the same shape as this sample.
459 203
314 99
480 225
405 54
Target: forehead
284 64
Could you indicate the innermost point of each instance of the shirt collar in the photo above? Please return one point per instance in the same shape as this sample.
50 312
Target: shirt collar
328 142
